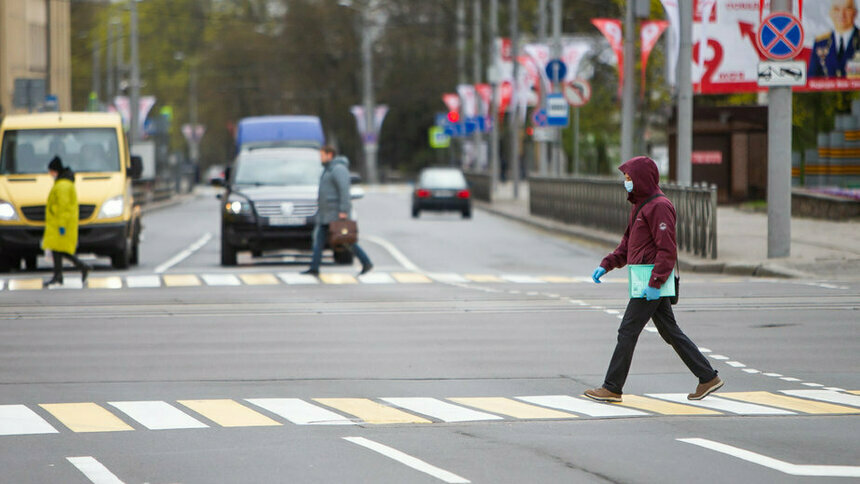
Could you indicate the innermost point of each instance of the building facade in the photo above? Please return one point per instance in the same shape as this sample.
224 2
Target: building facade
35 55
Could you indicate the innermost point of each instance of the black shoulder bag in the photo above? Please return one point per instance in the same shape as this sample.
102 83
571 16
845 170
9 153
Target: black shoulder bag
673 299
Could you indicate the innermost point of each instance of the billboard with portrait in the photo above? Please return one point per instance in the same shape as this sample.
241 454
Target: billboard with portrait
726 54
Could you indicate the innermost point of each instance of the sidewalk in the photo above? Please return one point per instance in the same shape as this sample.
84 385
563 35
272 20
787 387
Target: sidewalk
820 249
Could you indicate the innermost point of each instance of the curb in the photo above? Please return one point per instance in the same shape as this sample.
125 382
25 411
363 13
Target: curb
685 262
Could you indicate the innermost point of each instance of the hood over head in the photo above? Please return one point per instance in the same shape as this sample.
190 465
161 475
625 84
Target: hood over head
340 160
646 178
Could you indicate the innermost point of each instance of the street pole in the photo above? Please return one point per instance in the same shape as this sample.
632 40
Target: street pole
684 126
194 146
576 140
628 96
97 74
557 158
476 76
779 163
542 28
370 141
494 102
109 70
134 98
514 159
461 70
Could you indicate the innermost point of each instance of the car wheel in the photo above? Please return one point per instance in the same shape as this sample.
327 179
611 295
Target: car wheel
228 253
31 262
343 257
121 259
467 213
7 263
415 213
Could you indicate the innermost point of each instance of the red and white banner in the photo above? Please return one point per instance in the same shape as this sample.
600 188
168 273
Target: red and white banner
649 33
469 100
611 29
671 8
144 105
485 93
452 101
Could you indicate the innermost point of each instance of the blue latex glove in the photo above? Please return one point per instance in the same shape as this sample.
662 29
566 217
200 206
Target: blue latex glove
597 274
62 231
651 293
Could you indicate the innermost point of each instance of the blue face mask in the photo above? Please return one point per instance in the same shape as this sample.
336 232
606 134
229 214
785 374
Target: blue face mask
628 185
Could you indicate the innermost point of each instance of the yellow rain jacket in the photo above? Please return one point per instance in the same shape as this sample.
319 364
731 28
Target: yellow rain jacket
62 211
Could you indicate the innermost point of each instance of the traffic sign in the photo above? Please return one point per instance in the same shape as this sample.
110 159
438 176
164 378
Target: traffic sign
780 36
556 110
539 118
781 74
438 138
577 92
556 70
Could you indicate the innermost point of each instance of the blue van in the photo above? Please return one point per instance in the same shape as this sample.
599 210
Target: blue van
279 132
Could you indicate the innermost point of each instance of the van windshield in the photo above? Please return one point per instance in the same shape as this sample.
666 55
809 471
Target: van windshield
298 168
82 149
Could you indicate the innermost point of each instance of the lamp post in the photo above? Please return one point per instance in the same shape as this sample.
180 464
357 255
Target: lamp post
370 136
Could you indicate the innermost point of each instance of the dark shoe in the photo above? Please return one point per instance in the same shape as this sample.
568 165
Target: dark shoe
365 269
53 281
705 389
602 395
310 272
85 272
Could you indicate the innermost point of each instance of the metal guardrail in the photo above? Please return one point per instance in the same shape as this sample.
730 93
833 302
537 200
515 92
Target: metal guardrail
600 203
479 184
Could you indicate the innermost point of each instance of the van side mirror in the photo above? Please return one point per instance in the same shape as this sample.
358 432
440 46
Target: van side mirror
227 172
136 168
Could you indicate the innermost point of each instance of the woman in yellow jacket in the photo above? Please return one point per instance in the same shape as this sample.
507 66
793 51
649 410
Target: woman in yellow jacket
61 222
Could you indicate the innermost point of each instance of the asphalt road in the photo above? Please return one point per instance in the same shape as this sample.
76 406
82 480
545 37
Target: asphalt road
462 359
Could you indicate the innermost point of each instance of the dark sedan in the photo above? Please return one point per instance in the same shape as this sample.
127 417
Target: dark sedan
440 190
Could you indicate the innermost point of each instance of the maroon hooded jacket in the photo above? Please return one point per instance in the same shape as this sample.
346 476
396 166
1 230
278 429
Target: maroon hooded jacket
650 239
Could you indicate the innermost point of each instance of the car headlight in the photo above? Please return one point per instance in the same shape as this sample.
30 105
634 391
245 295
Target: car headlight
7 211
236 206
112 208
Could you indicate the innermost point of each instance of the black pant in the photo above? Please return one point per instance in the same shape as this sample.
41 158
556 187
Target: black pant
58 263
638 312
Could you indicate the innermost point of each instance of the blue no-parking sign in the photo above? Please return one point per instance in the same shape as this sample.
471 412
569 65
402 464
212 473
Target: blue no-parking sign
780 36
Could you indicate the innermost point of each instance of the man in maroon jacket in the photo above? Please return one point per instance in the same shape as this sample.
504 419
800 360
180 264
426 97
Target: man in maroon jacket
650 239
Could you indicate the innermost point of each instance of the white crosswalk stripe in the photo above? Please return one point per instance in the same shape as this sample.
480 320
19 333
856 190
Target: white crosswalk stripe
157 415
520 279
20 420
294 278
143 281
826 396
300 412
377 278
221 280
444 411
447 277
578 405
716 403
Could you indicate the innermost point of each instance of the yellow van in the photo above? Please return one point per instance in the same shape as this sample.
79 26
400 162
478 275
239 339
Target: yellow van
95 147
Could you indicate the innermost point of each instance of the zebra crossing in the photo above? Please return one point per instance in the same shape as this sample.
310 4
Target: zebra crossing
186 414
226 279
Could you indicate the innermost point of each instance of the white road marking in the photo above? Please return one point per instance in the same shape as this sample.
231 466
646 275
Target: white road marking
20 420
577 405
408 460
776 464
186 253
751 370
293 278
95 471
716 403
808 384
775 375
377 278
719 357
157 415
789 378
826 396
69 283
704 350
300 412
444 411
447 277
834 389
142 281
221 280
520 279
394 251
736 364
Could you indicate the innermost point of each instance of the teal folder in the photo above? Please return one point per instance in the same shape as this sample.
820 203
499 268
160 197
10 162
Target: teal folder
638 276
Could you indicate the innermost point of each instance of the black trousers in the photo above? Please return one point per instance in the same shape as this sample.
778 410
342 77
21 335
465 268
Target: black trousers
58 263
638 312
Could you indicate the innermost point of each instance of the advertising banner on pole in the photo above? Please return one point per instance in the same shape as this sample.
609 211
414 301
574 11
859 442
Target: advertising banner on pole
726 52
611 29
649 33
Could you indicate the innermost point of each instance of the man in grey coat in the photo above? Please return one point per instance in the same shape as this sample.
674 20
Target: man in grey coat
334 202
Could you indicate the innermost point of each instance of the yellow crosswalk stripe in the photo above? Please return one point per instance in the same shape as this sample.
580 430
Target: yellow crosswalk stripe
371 412
104 283
483 278
181 280
25 284
86 417
259 279
663 407
789 403
512 408
410 278
558 279
338 279
229 413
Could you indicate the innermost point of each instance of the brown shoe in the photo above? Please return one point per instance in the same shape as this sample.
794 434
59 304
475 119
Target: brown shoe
602 395
705 389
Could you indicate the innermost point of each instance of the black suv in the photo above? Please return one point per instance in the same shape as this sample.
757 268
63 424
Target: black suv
270 202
